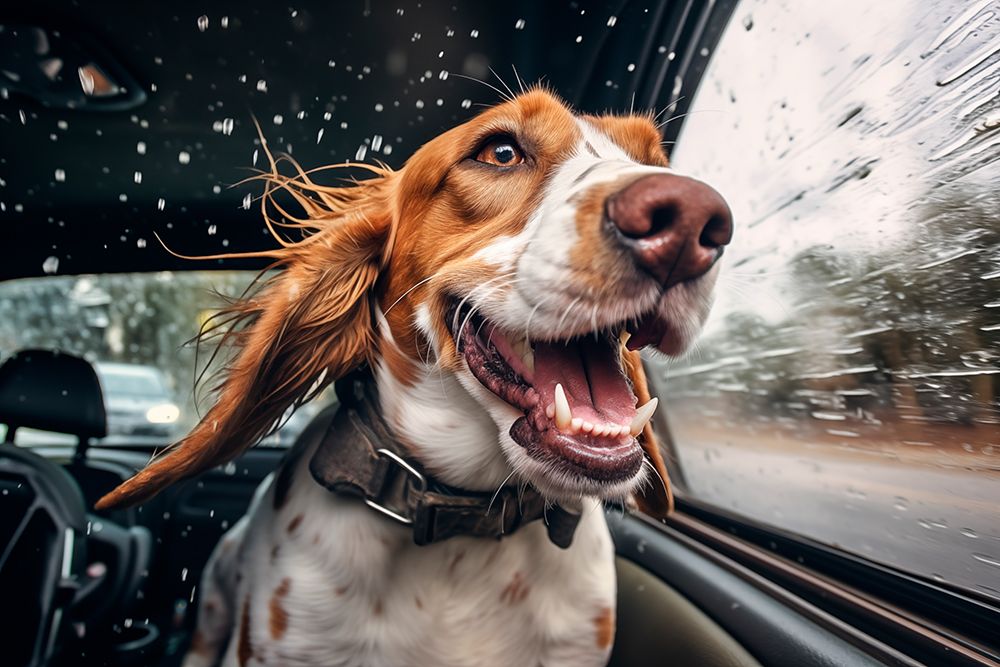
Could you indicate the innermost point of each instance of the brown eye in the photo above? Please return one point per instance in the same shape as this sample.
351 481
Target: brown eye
500 153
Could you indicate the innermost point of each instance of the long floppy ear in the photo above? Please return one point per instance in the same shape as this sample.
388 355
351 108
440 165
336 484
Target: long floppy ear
655 498
306 326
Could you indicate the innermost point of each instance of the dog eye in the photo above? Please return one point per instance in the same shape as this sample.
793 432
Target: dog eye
501 152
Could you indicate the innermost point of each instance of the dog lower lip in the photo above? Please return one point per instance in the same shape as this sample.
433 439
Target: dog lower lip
595 440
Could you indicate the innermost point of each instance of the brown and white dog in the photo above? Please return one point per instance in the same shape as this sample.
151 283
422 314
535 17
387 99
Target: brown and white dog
500 286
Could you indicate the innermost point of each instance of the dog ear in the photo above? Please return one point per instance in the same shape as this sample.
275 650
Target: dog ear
305 327
655 497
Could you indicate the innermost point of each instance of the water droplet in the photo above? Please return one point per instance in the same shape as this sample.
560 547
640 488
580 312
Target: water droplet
278 119
50 265
60 175
989 560
443 75
140 243
224 22
970 533
612 20
202 23
377 142
212 228
419 104
519 24
579 38
319 135
140 148
466 103
246 205
161 204
137 177
362 152
474 34
379 107
631 67
184 157
262 86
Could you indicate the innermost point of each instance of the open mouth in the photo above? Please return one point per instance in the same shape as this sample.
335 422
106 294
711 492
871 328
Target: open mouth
580 412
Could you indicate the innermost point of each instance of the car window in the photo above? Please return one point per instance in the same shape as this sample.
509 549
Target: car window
130 384
846 387
137 329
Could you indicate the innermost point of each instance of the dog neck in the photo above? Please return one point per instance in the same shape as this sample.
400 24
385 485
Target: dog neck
447 430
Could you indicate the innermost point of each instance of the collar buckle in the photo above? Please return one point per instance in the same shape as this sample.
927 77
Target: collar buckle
397 473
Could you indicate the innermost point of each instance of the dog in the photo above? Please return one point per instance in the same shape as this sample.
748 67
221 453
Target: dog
498 289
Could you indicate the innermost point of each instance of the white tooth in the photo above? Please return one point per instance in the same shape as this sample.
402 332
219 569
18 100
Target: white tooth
576 424
529 358
642 416
614 430
587 427
563 414
598 429
550 411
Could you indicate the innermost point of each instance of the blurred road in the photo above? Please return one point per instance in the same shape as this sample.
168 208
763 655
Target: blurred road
939 521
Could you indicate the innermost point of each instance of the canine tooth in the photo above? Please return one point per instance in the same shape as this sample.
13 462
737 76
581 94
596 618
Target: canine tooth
576 424
563 414
642 416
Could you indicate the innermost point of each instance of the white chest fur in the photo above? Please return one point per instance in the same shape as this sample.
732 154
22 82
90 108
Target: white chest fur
326 581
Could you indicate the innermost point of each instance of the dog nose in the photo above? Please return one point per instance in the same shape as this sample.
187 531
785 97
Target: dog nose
675 227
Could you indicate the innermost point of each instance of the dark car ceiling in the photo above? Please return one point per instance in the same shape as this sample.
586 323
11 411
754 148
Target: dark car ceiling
364 63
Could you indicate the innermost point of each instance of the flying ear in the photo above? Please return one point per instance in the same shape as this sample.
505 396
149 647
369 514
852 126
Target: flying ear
655 497
305 327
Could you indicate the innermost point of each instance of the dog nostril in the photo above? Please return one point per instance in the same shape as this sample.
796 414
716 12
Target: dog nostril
715 234
662 218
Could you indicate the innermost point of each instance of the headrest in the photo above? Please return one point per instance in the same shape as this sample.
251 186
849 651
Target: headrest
52 391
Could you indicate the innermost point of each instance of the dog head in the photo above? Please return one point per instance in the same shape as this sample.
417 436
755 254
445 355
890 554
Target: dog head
528 254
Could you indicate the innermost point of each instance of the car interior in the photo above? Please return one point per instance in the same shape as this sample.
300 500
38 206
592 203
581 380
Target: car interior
131 165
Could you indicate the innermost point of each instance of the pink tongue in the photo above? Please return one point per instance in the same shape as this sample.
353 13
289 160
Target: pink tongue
591 376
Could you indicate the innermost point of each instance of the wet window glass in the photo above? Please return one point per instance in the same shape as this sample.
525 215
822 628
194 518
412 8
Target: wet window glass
138 330
846 387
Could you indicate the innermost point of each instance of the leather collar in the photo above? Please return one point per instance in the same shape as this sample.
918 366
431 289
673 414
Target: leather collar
359 457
